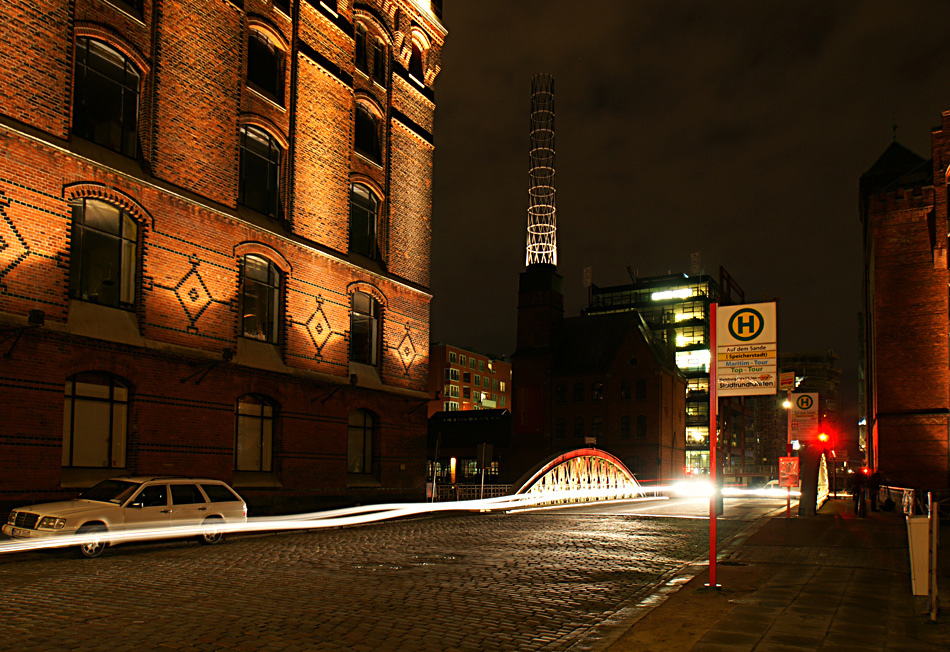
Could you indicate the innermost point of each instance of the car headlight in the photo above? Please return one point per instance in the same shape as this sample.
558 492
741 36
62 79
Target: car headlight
51 523
11 519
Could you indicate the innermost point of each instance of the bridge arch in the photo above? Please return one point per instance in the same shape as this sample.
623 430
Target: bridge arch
580 475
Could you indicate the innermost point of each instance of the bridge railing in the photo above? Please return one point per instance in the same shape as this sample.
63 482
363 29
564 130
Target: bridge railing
454 492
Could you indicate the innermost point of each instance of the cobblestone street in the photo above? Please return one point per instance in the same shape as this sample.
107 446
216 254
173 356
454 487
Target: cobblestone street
473 582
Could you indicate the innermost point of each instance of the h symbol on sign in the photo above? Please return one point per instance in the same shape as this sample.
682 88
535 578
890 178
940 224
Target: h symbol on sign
743 323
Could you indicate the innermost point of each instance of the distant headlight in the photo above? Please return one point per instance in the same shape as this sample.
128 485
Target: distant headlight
51 523
11 519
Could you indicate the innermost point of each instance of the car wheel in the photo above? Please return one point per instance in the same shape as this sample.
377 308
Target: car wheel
211 531
94 548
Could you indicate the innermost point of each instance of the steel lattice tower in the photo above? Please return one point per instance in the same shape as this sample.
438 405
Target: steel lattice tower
542 221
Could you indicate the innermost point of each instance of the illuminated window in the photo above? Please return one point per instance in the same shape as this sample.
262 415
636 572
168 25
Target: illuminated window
265 66
367 133
501 386
364 330
625 427
260 299
254 443
102 254
364 212
359 442
597 391
106 97
95 421
259 182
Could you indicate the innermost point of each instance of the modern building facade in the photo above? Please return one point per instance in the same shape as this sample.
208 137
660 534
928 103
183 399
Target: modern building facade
676 307
215 226
903 211
462 379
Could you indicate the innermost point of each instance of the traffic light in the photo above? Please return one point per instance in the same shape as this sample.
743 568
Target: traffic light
823 437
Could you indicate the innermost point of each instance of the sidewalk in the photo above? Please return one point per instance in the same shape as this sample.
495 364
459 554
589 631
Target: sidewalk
830 582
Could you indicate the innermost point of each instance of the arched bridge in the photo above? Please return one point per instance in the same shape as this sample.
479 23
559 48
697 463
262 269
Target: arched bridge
579 475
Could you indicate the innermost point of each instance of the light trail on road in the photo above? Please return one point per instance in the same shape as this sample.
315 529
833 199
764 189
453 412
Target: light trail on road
345 517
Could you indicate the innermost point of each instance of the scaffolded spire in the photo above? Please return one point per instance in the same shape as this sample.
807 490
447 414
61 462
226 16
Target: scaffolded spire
542 222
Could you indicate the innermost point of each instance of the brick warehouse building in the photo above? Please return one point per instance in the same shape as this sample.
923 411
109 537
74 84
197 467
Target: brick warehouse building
214 245
903 210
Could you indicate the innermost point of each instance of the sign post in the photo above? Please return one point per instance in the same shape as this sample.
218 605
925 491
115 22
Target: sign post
713 444
743 343
788 478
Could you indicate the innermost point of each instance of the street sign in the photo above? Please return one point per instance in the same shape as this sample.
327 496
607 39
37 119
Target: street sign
788 472
786 380
803 416
745 350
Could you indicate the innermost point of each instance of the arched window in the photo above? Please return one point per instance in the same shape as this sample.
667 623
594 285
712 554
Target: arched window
578 392
625 389
265 66
364 216
362 61
596 427
260 299
103 254
95 420
359 442
367 133
578 426
560 428
364 329
106 97
641 425
597 391
560 394
259 182
641 388
254 445
625 427
380 62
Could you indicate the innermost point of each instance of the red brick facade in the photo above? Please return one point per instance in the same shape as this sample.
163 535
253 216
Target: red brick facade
181 189
908 317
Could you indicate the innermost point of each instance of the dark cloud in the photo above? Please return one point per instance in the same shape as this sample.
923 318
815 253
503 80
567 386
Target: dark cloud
738 129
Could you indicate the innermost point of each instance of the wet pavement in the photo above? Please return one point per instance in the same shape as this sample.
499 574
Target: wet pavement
528 581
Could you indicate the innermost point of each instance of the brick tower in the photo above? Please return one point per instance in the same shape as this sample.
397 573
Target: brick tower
903 207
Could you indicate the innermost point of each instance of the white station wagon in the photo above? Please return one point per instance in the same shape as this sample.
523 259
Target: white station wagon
128 503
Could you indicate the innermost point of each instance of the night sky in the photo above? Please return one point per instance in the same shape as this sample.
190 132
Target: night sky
735 129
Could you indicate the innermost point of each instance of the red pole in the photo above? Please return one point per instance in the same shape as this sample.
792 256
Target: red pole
713 442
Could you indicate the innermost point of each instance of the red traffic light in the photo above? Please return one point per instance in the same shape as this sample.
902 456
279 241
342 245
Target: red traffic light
823 437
